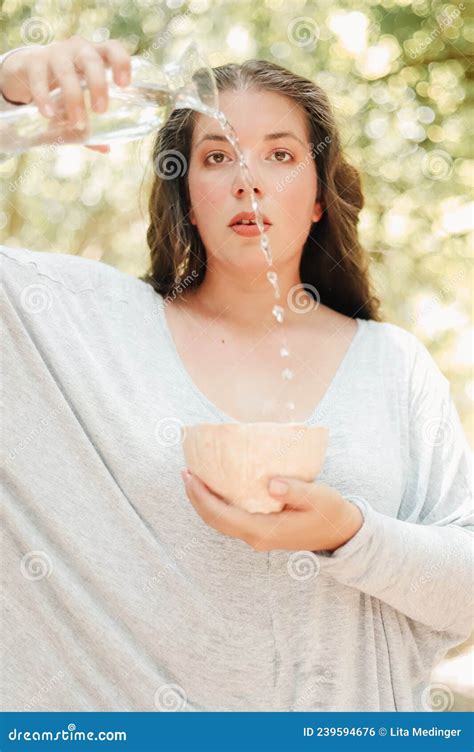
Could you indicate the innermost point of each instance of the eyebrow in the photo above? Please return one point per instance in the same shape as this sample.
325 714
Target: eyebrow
268 137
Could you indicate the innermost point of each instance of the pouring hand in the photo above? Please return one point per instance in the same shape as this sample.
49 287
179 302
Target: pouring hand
30 73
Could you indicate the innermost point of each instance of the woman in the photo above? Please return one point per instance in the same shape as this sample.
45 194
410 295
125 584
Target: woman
128 591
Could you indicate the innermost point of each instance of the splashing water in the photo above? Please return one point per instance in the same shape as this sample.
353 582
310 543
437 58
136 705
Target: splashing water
272 276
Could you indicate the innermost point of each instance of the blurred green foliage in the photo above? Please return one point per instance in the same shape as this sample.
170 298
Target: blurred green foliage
398 75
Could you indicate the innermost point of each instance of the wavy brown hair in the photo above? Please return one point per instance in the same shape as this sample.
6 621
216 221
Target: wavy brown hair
332 261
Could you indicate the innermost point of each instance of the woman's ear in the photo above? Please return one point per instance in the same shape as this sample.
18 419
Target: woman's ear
317 212
192 218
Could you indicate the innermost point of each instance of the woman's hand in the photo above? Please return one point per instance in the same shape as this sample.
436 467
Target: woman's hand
29 74
315 517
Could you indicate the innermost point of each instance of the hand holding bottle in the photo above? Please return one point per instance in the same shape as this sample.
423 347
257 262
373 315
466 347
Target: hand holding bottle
29 74
71 96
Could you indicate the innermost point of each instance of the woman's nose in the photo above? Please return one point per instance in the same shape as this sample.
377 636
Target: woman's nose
240 185
242 189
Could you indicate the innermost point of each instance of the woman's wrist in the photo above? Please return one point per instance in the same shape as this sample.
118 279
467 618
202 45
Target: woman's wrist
350 522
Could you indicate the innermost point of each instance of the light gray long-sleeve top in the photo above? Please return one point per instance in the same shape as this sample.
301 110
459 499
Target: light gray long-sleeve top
118 597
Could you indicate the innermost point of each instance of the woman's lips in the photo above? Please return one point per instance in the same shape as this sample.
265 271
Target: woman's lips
248 231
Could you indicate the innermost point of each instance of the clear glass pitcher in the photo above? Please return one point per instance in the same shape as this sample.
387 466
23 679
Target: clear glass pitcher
133 111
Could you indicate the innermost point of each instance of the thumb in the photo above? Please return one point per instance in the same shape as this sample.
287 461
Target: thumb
293 490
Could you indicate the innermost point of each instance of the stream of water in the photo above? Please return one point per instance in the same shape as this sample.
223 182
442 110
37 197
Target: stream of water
277 310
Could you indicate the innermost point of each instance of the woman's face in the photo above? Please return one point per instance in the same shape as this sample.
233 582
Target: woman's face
283 171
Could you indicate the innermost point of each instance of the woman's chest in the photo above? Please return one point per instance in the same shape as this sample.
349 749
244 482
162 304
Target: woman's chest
249 380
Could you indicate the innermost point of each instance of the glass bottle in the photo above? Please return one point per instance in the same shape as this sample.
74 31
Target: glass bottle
133 111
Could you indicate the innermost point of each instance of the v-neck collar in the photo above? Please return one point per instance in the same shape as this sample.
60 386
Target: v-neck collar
318 411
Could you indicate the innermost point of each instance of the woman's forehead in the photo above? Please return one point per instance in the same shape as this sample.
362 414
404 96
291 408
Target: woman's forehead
254 112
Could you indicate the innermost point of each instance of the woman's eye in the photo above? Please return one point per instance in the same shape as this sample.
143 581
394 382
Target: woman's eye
219 157
218 154
285 153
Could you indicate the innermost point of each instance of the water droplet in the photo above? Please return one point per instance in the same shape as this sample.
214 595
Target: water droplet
272 277
284 352
278 312
287 374
221 118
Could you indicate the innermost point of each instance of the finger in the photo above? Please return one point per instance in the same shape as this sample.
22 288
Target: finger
68 80
229 519
207 488
118 58
201 491
209 506
39 87
99 147
90 63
